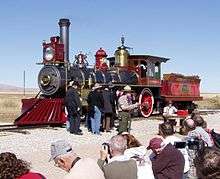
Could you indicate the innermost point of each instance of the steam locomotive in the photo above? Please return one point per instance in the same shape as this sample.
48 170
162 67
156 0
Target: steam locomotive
141 72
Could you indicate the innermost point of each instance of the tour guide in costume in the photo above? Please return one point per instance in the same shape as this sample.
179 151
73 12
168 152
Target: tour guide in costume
125 106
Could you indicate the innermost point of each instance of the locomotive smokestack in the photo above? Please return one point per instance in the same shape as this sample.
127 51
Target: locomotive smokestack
64 37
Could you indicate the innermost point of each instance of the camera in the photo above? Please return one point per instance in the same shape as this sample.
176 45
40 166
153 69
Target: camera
106 146
193 143
180 145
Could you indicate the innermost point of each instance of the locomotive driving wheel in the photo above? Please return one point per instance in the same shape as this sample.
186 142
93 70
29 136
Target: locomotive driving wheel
146 100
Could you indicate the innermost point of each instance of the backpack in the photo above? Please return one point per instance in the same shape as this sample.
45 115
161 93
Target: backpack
216 138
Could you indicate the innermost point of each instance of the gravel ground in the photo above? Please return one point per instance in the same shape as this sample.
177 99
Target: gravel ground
35 145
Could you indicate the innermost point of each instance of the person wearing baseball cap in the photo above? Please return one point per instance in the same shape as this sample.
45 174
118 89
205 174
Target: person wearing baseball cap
167 162
65 158
156 145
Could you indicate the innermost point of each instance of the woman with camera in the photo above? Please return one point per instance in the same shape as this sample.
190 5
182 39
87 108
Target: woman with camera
138 152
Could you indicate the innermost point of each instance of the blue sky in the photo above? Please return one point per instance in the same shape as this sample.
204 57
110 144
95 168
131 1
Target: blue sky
187 32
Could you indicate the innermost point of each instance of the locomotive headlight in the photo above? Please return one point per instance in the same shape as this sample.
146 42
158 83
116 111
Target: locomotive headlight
49 53
45 80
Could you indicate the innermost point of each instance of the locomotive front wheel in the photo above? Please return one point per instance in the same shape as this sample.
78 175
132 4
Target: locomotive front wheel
146 100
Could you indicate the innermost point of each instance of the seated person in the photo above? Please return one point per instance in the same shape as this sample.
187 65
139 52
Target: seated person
119 166
167 132
65 158
208 163
167 161
200 132
188 125
169 113
169 110
12 167
138 152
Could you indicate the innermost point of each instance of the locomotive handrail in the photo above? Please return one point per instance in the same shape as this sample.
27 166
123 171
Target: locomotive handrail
37 94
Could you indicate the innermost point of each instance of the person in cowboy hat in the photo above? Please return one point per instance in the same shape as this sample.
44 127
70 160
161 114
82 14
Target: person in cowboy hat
95 105
125 105
73 105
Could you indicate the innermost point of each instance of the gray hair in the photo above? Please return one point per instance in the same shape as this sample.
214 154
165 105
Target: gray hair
118 143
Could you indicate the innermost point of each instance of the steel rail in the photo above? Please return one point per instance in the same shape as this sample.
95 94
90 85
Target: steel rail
12 127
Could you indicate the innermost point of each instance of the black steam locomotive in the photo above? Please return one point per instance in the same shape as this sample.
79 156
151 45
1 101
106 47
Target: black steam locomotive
141 72
58 71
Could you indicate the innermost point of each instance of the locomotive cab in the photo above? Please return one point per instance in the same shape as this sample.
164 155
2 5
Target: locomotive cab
142 73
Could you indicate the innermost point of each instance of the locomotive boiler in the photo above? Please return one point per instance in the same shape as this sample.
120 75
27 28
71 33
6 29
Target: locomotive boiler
141 72
58 70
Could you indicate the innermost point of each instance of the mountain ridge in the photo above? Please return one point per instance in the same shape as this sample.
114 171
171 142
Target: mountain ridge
7 87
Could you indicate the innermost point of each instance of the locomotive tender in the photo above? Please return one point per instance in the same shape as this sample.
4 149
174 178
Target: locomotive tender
141 72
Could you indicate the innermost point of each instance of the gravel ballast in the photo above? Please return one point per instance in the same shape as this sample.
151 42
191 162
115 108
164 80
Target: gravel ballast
34 146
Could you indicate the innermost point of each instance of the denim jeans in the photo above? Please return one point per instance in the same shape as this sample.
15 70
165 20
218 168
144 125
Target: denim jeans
96 120
67 124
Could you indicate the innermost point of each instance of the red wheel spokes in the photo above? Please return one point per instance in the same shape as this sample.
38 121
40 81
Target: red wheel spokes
147 103
146 100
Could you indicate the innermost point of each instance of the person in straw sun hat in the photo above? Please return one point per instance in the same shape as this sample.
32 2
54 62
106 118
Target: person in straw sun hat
127 88
125 106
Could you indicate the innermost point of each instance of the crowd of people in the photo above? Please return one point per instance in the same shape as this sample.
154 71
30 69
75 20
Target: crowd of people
124 157
196 155
104 103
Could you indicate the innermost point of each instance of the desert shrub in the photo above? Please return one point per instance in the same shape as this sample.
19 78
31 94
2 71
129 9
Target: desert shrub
209 103
9 104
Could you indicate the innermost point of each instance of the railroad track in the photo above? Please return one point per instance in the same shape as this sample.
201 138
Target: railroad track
19 129
209 111
8 127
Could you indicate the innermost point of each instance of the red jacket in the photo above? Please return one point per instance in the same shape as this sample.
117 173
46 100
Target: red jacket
169 164
31 175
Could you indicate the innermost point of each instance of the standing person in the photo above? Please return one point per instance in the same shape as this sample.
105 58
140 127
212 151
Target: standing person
167 162
73 106
96 103
91 111
108 109
11 167
114 105
125 106
65 158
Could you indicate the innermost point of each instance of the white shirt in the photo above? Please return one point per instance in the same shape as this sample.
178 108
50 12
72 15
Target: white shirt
172 139
125 104
201 134
119 158
144 169
85 168
169 111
